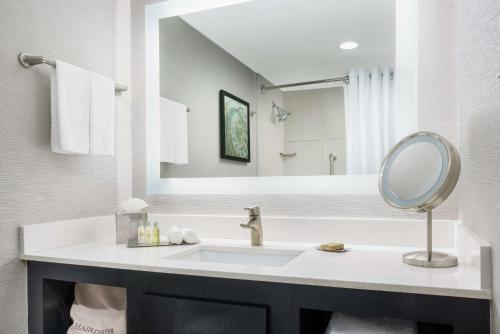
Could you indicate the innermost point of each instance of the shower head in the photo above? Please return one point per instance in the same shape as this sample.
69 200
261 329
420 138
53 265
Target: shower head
279 113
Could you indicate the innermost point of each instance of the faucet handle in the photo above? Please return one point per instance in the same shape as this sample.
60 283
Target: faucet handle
253 211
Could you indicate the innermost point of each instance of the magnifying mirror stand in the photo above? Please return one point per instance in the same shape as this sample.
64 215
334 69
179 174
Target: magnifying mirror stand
428 258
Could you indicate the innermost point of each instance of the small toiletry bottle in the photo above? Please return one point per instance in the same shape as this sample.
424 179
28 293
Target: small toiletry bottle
140 233
156 234
148 233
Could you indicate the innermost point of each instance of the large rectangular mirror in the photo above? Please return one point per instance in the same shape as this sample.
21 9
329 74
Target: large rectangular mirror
272 88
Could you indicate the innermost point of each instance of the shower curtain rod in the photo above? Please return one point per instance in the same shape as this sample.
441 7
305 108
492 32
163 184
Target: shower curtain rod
265 88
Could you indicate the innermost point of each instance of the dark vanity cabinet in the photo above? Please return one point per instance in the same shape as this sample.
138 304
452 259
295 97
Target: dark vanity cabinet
159 303
166 314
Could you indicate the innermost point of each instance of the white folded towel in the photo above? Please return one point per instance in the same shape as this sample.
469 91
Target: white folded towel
189 236
102 114
173 132
69 106
181 135
346 324
174 235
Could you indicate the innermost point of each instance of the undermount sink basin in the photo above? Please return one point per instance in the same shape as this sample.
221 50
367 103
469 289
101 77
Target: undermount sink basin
238 255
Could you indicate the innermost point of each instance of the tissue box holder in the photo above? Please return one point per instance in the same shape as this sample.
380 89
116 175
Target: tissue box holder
127 225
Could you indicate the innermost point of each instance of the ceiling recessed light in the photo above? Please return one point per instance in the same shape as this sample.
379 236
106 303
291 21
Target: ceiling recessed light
349 45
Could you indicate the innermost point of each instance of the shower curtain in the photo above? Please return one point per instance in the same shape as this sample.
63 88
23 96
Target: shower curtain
369 112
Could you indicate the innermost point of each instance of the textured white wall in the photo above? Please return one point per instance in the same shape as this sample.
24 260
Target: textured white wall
35 184
405 81
437 57
123 147
436 71
479 132
459 97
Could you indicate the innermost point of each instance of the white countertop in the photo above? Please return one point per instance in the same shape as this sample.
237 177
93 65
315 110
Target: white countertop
363 267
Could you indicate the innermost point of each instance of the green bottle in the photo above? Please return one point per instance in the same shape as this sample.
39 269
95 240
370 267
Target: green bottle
148 234
156 234
140 233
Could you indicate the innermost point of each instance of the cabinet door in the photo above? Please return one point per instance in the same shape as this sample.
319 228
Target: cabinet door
171 315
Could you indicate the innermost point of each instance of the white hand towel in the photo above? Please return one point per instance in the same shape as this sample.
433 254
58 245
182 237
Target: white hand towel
167 131
189 236
174 235
102 114
181 135
69 105
173 132
343 324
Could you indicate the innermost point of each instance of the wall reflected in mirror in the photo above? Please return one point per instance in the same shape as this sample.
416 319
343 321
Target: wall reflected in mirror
332 128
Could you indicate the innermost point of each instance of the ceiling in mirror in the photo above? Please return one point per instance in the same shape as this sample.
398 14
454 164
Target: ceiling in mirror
299 40
217 121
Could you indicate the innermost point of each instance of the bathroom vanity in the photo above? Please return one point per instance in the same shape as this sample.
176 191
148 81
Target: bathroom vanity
316 111
218 287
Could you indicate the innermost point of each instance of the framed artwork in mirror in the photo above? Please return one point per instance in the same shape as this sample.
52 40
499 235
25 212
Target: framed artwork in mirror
234 115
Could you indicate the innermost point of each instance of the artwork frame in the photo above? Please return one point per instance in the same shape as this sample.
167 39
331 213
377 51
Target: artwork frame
234 133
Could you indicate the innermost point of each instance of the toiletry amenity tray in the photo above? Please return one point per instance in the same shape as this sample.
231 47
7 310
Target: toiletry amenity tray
132 244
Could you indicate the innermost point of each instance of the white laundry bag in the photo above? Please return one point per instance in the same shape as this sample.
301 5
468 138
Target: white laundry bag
99 309
349 324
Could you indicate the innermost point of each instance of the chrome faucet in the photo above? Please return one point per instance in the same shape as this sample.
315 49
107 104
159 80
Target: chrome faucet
255 225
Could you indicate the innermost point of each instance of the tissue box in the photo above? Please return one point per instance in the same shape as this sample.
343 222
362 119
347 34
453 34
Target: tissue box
127 225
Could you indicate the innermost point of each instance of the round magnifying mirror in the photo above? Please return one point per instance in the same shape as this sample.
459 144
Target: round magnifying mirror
418 174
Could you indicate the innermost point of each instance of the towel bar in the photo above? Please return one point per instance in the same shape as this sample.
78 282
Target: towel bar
26 60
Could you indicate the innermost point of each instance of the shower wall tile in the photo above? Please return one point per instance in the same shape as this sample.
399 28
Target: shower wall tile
333 113
306 121
307 161
317 126
269 161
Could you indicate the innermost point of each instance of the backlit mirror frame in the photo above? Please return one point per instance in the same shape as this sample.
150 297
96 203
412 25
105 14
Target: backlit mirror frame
338 184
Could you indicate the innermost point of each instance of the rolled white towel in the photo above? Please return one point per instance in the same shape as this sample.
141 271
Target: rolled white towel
174 235
190 236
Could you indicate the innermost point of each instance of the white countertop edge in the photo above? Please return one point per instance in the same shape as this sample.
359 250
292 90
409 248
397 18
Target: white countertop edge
462 293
